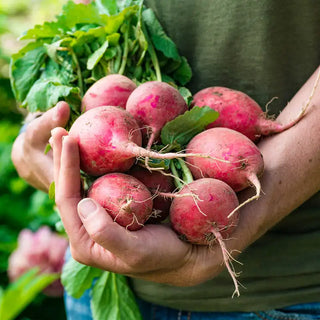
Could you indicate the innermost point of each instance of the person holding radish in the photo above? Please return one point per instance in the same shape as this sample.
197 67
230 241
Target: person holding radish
262 48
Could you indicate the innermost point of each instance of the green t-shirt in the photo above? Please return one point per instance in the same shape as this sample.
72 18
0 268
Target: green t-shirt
266 48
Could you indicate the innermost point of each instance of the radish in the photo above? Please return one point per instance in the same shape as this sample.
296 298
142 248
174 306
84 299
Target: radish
125 198
153 104
111 90
243 165
156 182
109 140
203 218
239 112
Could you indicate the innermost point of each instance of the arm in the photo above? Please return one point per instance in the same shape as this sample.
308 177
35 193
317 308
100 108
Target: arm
292 162
155 253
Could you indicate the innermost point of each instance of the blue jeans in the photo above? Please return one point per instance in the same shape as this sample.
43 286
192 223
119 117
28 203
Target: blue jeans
79 309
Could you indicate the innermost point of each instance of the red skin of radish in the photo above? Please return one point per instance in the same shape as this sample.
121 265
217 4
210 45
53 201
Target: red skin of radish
111 90
244 159
153 104
237 111
103 133
216 201
109 140
155 181
125 198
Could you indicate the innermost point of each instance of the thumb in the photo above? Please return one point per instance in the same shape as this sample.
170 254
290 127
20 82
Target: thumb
103 229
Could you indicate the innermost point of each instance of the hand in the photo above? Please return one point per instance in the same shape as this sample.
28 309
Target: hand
28 151
152 253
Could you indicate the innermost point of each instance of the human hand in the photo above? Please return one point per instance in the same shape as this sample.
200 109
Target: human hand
28 151
153 253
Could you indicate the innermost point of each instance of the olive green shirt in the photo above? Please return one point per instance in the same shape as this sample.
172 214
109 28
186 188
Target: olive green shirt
267 49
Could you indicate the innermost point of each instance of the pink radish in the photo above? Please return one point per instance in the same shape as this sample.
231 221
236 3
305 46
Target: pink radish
239 112
243 160
111 90
153 104
203 218
156 182
109 140
125 198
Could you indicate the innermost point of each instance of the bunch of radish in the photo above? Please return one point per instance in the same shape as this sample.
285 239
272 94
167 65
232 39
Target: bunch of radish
122 123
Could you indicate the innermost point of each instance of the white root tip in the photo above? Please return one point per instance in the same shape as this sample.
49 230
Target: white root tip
227 261
256 183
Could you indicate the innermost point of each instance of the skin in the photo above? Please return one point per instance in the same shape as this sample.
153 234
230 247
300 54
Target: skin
155 253
28 156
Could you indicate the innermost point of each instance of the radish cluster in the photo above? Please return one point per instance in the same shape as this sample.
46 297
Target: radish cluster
121 123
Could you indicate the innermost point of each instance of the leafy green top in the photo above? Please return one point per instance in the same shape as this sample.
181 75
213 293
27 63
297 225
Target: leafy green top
86 42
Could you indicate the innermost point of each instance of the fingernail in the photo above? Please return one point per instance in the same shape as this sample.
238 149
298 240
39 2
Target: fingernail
56 113
86 207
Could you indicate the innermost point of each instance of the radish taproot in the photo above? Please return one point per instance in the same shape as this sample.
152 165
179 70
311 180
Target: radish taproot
109 140
243 159
153 104
156 182
111 90
125 198
239 112
202 218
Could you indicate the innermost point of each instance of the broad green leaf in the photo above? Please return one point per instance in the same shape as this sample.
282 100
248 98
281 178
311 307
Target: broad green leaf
77 278
183 128
113 299
25 71
74 14
184 73
108 7
82 37
59 69
22 292
94 59
159 39
46 30
45 94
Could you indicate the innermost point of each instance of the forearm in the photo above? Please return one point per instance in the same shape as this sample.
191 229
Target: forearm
291 175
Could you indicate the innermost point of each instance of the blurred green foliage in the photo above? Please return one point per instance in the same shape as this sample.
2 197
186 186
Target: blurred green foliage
21 206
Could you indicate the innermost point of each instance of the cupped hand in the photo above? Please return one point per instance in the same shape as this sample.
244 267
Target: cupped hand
28 151
152 253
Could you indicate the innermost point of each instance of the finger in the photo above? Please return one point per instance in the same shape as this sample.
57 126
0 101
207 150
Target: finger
56 143
68 192
39 130
23 167
69 173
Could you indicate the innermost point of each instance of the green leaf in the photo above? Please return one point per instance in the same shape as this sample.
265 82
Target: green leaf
46 30
184 127
108 7
184 73
25 71
94 59
22 292
113 291
186 94
74 14
45 94
159 39
77 278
